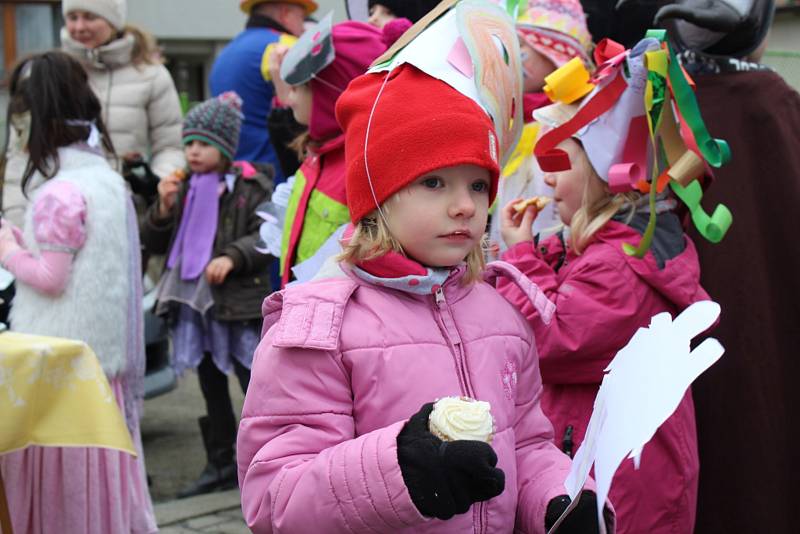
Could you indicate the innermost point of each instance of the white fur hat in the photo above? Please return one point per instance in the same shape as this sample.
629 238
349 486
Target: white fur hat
114 11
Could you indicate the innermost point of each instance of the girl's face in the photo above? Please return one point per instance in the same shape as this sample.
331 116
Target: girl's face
89 29
570 187
441 217
535 66
380 15
300 102
201 157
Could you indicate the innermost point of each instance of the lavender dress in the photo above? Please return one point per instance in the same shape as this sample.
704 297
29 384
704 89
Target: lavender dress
195 332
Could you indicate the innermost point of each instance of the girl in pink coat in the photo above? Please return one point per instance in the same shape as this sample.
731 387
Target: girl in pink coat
334 435
603 295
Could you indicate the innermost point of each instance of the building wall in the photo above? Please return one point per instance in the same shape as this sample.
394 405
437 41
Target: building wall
210 20
192 32
785 32
783 46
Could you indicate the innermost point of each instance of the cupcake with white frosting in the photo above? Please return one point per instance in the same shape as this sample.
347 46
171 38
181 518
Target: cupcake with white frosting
455 418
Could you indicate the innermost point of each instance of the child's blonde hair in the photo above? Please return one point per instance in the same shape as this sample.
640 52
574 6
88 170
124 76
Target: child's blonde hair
598 207
372 239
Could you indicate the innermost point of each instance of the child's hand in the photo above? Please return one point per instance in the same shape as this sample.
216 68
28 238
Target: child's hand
582 519
515 227
9 239
218 269
445 478
168 188
275 61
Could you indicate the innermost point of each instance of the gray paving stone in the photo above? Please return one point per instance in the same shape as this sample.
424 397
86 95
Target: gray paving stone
230 527
205 522
233 513
178 511
176 529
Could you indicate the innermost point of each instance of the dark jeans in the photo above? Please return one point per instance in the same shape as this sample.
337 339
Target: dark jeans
220 437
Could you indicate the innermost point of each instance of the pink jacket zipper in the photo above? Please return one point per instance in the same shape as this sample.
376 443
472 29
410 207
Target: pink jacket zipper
447 325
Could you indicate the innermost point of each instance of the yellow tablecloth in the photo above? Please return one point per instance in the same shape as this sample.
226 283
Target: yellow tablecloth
53 392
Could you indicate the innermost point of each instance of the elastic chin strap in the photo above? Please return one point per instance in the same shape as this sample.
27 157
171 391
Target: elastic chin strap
366 145
323 81
94 134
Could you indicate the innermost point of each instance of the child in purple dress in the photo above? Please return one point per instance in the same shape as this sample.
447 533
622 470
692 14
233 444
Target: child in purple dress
215 279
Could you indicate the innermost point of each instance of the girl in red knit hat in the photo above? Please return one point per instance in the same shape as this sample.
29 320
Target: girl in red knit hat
398 391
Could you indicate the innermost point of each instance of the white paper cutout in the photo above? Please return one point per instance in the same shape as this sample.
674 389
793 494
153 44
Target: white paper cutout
308 269
440 35
644 384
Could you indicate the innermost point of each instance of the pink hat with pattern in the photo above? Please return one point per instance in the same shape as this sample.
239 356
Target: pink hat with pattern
557 29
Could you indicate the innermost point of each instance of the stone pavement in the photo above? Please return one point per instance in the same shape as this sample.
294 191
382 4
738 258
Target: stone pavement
217 513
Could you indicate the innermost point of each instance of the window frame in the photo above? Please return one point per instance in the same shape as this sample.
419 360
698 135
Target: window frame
8 12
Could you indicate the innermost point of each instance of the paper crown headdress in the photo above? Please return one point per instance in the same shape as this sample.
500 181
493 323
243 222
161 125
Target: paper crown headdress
312 52
448 92
640 126
471 45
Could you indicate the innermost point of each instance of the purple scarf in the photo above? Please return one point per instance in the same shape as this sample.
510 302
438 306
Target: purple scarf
195 240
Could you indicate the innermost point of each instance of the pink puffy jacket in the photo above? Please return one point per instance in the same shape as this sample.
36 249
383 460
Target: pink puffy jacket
602 297
342 367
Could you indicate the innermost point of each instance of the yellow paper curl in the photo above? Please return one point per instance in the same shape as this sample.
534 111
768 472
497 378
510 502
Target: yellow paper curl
568 83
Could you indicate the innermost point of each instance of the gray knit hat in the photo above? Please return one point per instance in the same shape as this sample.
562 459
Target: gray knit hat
216 121
114 11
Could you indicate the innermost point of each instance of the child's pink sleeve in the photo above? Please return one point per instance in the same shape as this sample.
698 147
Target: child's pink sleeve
59 227
595 307
59 218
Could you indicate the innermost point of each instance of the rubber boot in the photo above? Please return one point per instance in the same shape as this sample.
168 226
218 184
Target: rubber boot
220 472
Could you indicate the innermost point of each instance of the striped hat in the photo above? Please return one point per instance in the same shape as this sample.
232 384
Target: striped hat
557 29
216 121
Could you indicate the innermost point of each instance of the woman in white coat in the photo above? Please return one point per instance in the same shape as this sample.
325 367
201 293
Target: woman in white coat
140 104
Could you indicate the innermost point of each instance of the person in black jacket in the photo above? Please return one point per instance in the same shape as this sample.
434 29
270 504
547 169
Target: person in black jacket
747 422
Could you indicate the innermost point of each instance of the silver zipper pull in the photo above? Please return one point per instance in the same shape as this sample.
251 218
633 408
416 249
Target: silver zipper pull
439 297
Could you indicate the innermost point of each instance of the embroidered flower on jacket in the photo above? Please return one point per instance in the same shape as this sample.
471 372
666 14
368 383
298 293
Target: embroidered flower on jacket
509 375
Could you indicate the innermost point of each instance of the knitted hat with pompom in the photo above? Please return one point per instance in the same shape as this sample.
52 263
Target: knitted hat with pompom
217 121
557 29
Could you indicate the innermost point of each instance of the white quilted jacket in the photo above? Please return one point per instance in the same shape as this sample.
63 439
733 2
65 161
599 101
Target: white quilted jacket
140 104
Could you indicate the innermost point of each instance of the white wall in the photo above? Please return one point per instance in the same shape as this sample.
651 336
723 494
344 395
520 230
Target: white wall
214 20
785 33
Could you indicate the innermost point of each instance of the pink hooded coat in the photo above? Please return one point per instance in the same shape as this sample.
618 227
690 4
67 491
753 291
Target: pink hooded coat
602 297
342 367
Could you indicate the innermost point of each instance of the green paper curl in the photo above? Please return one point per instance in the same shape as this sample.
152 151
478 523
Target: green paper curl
713 227
649 231
715 151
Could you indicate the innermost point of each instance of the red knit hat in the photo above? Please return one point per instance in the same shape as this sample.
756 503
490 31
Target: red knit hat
419 124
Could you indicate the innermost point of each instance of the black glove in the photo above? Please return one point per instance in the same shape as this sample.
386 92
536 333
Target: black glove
445 478
582 519
141 178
